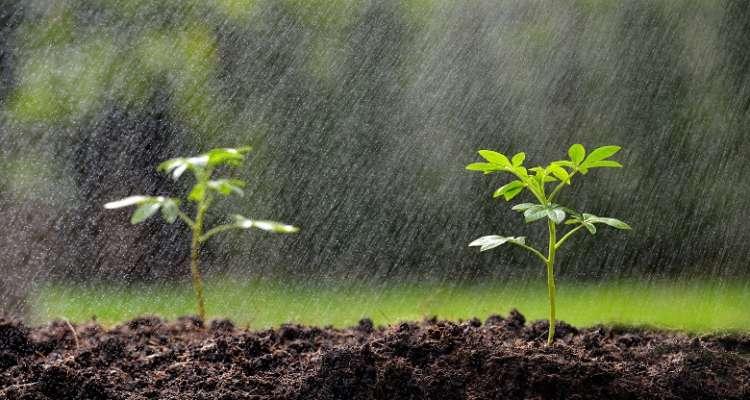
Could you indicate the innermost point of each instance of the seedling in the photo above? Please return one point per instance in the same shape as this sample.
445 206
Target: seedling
534 180
203 194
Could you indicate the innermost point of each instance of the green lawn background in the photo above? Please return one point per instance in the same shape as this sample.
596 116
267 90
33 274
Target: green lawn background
692 305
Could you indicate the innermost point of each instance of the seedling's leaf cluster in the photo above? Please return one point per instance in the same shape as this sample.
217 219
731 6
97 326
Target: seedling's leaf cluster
202 167
534 180
202 195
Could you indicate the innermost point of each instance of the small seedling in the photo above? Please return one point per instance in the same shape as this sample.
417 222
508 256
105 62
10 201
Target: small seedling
534 180
203 194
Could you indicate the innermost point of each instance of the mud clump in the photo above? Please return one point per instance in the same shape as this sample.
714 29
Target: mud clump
504 357
14 342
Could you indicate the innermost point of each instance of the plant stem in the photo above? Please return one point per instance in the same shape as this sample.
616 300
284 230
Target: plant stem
195 249
185 218
559 187
567 235
551 280
218 229
532 250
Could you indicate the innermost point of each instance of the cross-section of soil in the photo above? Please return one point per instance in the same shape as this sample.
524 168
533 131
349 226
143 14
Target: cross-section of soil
502 358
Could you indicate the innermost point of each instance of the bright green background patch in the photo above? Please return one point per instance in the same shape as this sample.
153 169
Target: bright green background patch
696 306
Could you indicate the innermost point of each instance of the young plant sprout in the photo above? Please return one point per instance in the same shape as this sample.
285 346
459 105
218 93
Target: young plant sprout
204 192
534 180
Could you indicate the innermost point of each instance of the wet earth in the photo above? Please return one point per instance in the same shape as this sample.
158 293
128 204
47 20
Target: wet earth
500 358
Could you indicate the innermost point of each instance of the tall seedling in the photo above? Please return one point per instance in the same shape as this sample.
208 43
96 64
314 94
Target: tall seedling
203 194
535 180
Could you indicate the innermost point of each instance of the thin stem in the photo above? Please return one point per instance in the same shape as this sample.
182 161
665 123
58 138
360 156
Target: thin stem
560 186
539 196
185 218
523 179
532 250
567 235
195 271
217 229
551 280
195 248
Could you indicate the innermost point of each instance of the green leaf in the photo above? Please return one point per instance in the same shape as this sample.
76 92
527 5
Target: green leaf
523 206
560 173
575 215
556 214
169 165
228 156
227 186
595 159
148 206
563 163
534 213
588 220
495 158
169 210
534 186
511 194
490 242
126 202
577 153
177 166
270 226
518 159
604 164
601 153
540 177
483 167
613 222
521 171
198 193
514 187
144 211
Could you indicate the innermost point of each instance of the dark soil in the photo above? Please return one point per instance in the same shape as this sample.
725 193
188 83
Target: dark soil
502 358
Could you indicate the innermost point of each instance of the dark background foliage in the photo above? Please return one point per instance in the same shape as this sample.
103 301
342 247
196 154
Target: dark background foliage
363 115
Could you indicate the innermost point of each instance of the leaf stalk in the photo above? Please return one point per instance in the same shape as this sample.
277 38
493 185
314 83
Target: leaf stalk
567 235
195 248
217 229
551 280
532 250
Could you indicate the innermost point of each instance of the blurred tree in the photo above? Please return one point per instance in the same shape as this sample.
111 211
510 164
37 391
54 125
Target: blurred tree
10 17
363 113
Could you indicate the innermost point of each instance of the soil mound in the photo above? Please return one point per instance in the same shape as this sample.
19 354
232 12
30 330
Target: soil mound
502 358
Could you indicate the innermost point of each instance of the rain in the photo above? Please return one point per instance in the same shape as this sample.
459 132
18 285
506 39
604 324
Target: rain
362 116
280 199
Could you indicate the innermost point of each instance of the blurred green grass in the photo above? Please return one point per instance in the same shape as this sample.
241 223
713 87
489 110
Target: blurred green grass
693 305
